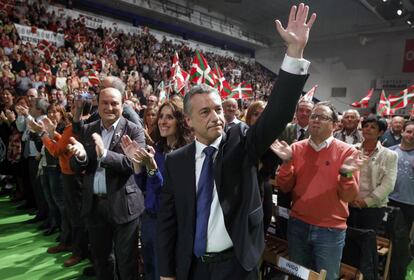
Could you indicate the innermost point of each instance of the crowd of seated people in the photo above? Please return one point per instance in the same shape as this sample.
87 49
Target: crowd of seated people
43 101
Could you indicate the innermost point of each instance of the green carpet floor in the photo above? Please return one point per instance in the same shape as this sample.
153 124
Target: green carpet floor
23 250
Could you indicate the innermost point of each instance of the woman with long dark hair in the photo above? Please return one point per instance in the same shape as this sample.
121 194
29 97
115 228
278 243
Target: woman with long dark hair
171 133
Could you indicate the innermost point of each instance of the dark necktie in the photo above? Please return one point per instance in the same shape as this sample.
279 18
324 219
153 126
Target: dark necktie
204 199
302 134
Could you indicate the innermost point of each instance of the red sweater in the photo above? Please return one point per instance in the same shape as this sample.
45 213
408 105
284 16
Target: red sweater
320 195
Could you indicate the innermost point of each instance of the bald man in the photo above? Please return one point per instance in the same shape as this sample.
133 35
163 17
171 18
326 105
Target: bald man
392 136
110 203
230 109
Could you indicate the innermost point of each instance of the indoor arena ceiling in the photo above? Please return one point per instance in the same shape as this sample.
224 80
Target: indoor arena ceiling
337 19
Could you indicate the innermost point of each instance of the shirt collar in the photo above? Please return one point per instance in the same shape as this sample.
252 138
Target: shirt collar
200 146
298 128
325 144
112 127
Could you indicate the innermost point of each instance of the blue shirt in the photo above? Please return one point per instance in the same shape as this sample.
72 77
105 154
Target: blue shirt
151 185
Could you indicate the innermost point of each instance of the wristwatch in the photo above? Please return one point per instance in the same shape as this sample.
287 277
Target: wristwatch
345 174
151 172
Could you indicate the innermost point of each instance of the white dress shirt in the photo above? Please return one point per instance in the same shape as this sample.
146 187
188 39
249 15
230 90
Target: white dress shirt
218 239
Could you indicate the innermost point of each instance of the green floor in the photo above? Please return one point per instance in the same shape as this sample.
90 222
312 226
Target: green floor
23 250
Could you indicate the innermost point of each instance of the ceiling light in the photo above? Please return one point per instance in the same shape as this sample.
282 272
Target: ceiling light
399 12
384 1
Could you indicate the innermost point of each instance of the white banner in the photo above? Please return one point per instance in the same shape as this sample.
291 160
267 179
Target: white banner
27 36
94 21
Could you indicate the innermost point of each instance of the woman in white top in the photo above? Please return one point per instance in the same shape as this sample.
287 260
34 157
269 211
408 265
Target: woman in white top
377 177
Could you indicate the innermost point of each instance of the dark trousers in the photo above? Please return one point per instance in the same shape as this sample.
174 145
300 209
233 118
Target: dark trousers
27 182
114 246
226 270
33 165
149 246
365 218
77 236
284 200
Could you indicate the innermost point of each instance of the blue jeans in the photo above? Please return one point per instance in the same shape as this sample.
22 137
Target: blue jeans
316 247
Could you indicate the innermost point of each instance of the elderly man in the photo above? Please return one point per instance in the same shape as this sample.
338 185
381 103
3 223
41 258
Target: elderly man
210 224
230 108
392 136
349 132
110 203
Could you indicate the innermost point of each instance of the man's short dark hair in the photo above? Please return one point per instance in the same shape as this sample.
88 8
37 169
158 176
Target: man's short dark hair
381 122
328 104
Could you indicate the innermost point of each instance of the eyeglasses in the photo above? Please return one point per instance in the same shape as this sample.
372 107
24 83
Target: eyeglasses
320 117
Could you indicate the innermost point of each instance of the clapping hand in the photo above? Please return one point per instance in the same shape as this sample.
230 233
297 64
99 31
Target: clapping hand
11 116
76 148
99 145
353 163
50 126
145 158
296 34
22 110
35 126
282 150
129 146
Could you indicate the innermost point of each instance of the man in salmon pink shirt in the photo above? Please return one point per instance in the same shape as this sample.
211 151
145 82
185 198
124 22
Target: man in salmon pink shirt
322 174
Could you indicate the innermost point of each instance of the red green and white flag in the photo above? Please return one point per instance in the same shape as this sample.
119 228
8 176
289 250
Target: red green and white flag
200 72
180 80
309 95
111 43
175 60
363 103
242 91
93 78
223 87
384 107
402 99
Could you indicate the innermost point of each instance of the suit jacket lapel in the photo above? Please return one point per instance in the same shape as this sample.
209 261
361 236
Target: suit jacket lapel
189 178
218 164
117 133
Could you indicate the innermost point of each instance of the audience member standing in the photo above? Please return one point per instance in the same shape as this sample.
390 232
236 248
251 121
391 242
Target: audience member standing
210 224
230 108
110 201
392 136
349 132
172 133
403 194
322 174
377 177
293 132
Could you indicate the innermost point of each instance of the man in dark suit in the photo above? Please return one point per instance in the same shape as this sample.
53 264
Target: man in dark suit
210 224
110 200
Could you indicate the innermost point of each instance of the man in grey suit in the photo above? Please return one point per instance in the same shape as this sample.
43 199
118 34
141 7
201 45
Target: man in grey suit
110 203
